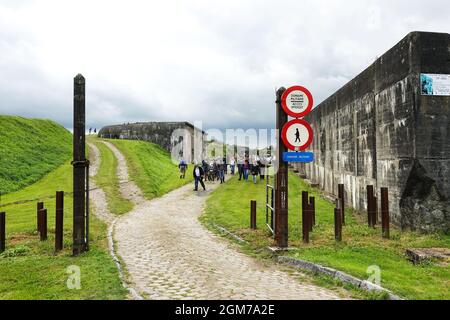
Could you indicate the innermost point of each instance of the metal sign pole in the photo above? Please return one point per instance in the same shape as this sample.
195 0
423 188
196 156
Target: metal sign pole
281 183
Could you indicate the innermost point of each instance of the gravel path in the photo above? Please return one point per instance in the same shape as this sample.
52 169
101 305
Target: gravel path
168 254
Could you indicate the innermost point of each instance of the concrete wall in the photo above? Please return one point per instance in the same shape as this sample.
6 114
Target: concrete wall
177 138
378 129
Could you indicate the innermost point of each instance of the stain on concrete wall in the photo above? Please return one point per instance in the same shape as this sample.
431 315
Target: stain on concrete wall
378 129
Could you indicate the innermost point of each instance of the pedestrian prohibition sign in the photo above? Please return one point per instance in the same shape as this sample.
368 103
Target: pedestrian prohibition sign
297 135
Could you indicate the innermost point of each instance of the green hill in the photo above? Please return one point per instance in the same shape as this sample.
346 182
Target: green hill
30 149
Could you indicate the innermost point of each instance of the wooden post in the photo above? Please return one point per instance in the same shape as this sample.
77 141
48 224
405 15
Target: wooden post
281 181
370 205
375 212
59 221
79 163
253 215
305 217
385 220
43 224
338 224
341 194
312 203
39 206
2 231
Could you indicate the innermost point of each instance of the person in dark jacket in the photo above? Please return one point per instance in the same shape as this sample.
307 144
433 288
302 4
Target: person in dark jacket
198 177
183 168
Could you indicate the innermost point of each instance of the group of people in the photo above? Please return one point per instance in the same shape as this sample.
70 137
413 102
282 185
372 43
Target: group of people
218 169
90 130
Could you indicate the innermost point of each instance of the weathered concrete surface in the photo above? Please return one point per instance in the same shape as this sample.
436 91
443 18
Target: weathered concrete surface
378 129
179 138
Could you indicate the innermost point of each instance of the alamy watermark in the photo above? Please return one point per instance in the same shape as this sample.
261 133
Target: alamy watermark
74 278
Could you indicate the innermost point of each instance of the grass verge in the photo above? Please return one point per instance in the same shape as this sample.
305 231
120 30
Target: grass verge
229 206
30 270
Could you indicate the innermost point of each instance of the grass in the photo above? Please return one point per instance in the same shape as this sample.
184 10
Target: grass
229 206
107 179
30 148
29 269
151 168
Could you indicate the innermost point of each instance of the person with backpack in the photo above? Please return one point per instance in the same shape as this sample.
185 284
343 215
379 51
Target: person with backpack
198 174
183 168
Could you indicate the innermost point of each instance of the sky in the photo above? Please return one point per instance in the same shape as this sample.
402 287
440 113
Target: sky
218 62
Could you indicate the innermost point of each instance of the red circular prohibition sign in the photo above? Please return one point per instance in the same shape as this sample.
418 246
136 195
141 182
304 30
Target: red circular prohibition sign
308 108
286 141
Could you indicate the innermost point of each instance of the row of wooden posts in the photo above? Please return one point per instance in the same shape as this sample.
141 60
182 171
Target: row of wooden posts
309 213
41 223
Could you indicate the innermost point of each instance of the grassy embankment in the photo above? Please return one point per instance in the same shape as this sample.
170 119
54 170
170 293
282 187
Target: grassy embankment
361 248
151 168
29 269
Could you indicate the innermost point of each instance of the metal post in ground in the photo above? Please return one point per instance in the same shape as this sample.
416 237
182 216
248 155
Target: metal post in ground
2 231
253 215
312 203
370 205
59 221
305 213
337 224
43 224
341 197
281 181
39 206
385 213
79 163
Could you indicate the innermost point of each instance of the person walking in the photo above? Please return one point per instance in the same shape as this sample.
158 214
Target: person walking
240 167
222 172
255 170
198 177
183 168
246 169
232 165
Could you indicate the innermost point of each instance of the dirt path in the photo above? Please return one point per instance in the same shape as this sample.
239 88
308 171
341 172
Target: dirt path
168 254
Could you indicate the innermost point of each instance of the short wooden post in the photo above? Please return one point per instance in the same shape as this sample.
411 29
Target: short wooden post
305 216
370 205
375 212
2 231
39 206
342 199
59 221
253 215
43 224
312 203
385 220
338 224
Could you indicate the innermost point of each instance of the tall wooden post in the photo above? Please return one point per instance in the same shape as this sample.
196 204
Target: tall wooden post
43 224
312 203
281 180
370 205
305 217
79 162
341 197
59 221
385 212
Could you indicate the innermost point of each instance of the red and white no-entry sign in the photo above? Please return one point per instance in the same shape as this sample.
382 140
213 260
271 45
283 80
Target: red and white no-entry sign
297 135
297 101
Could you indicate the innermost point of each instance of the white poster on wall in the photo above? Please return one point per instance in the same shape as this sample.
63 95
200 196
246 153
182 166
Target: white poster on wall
435 84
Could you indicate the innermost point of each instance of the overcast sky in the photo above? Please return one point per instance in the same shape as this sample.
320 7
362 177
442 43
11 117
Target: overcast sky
215 61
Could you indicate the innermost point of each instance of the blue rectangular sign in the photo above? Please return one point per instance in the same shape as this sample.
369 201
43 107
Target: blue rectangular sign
303 157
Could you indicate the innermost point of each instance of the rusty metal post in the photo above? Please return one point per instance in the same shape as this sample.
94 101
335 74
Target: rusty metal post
59 221
281 181
79 163
341 194
338 224
312 203
39 206
43 224
385 213
370 205
253 215
305 217
2 231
